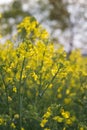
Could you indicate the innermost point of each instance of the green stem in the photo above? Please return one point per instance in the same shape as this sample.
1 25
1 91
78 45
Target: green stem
49 83
20 95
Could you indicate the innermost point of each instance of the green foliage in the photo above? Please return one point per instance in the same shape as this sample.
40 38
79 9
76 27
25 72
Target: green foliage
40 88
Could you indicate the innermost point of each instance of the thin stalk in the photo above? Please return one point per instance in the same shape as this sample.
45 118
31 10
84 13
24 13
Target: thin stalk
49 83
40 79
20 95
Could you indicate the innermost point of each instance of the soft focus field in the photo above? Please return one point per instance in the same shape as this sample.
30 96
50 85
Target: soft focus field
40 88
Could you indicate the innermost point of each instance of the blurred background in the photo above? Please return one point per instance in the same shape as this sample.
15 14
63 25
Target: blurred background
65 20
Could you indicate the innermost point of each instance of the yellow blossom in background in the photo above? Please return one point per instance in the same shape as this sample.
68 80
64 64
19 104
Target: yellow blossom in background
70 69
67 91
8 70
0 15
43 122
58 119
59 95
81 128
47 129
50 86
16 116
44 34
27 67
67 100
64 128
14 89
23 76
13 125
73 118
59 89
9 99
72 94
22 128
49 109
34 76
63 74
54 70
47 114
1 120
0 36
68 122
12 65
65 114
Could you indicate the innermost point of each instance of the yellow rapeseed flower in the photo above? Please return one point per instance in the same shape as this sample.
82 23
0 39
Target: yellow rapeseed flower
73 118
0 15
34 76
58 119
44 34
13 125
81 128
0 36
51 85
68 122
59 95
8 70
16 116
67 100
47 114
9 99
49 109
54 70
65 114
46 129
43 122
14 89
22 128
1 120
67 91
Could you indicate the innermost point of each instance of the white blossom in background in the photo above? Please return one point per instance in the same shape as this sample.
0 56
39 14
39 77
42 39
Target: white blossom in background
5 1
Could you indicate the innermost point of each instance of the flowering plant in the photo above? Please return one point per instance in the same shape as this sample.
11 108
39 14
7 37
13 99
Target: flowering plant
40 89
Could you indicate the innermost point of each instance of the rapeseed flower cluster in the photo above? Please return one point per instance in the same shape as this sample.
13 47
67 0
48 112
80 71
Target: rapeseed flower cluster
45 118
39 87
32 29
